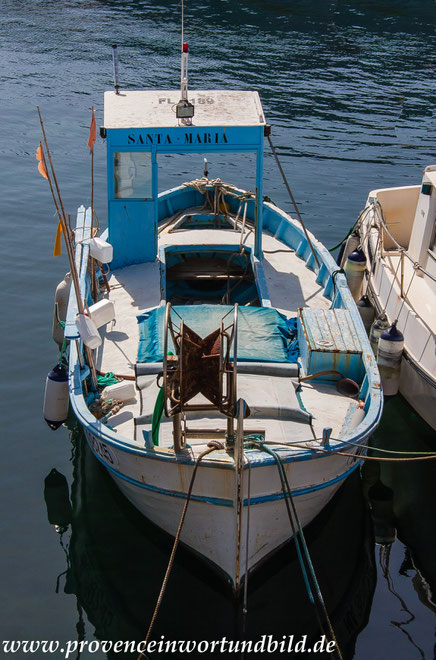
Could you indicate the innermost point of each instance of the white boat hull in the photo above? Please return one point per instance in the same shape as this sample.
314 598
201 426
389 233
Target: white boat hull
210 526
418 390
397 236
417 386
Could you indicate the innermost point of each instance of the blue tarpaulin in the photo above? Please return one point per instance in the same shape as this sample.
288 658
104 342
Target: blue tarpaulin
263 333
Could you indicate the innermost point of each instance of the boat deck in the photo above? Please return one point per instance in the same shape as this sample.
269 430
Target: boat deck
288 284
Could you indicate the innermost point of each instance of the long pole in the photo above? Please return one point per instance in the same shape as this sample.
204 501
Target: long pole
62 219
67 239
293 199
93 275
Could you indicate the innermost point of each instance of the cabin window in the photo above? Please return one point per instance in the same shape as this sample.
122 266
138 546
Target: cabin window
133 175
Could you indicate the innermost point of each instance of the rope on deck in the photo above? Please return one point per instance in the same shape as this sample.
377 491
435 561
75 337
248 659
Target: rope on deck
211 446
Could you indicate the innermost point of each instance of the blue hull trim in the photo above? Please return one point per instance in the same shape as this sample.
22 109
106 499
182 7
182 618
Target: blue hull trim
218 501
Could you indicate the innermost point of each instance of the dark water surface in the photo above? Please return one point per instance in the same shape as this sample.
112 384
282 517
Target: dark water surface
349 89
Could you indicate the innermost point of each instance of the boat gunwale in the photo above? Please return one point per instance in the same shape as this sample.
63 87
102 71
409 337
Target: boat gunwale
220 501
373 394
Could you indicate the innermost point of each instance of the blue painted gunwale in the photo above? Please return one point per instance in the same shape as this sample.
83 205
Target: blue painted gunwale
284 228
220 501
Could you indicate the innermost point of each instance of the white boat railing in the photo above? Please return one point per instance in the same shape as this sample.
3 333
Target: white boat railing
378 212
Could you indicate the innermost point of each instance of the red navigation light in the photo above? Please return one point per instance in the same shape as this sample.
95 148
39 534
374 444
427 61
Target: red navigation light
185 47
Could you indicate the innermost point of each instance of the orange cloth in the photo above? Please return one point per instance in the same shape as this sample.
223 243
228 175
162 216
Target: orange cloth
92 132
58 241
41 161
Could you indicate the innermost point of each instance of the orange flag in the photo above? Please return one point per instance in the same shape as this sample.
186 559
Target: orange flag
58 241
41 161
92 132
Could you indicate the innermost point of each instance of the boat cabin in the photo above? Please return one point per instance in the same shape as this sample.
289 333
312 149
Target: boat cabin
140 126
410 216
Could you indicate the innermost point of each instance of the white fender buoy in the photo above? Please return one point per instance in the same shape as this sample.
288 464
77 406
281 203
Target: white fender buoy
62 296
56 399
352 242
88 331
354 269
366 311
380 324
390 351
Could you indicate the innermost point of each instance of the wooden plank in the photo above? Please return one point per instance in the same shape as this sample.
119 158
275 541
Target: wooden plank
82 232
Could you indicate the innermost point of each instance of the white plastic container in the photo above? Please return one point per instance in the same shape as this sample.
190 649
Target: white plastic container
102 312
88 331
100 250
123 391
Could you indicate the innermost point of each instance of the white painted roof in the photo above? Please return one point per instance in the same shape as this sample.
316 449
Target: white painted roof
155 109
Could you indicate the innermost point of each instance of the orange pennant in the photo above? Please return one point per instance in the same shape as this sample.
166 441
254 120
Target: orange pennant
58 241
92 132
41 161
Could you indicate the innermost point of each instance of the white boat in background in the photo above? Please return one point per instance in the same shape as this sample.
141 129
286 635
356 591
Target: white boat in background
398 237
231 330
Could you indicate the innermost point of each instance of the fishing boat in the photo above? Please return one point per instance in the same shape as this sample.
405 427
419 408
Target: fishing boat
245 381
397 232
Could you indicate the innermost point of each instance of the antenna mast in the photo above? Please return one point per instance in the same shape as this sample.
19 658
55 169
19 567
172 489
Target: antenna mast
184 109
115 63
184 65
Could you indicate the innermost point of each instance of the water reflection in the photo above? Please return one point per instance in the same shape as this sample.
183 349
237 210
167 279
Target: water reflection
402 500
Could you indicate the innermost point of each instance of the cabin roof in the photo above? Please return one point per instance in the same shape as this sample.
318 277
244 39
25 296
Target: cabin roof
155 109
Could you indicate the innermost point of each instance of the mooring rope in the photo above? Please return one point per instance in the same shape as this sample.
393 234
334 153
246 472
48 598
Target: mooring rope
297 531
405 455
297 210
354 227
211 446
377 458
247 535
